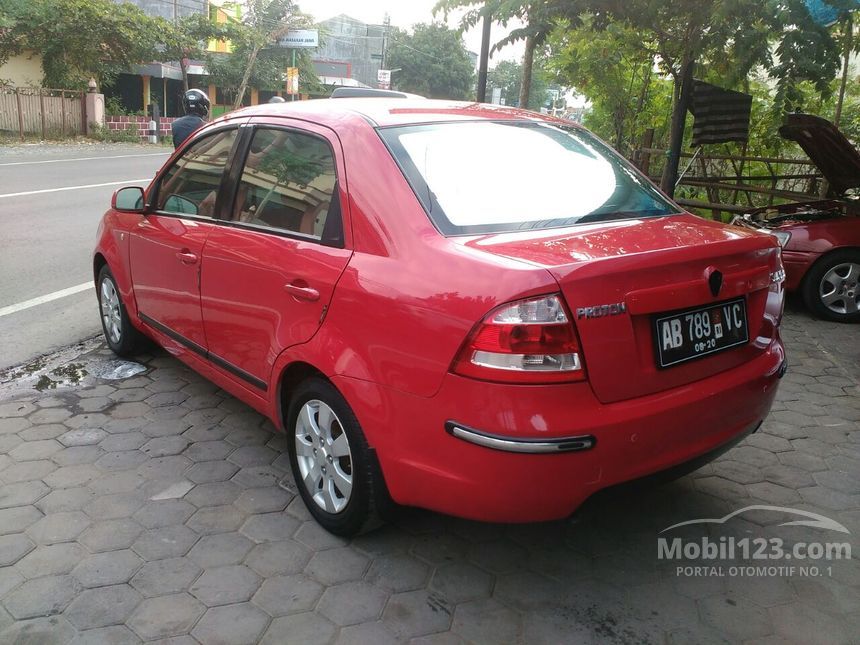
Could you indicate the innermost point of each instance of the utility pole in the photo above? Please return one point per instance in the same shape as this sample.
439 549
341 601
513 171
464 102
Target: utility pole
485 56
386 25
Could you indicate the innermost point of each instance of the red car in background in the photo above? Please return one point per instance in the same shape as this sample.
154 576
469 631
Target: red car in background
821 239
467 308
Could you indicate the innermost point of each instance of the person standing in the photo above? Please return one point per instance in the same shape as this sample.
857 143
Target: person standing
196 105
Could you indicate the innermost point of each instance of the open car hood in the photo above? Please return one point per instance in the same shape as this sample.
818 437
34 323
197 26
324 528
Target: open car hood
827 147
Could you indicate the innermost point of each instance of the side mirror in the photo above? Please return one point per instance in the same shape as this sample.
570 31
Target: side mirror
129 199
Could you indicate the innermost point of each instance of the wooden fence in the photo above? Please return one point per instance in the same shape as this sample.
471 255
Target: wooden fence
724 183
43 112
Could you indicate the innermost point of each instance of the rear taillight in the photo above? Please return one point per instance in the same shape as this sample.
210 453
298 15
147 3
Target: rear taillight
527 341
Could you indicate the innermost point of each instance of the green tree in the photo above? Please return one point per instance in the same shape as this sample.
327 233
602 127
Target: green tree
433 61
732 36
227 71
256 58
508 75
79 39
187 39
614 69
735 35
537 19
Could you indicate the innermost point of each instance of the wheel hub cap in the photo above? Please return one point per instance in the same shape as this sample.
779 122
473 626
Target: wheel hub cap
324 457
838 288
111 312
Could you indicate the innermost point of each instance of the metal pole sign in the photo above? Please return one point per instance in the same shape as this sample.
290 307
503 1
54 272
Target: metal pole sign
298 38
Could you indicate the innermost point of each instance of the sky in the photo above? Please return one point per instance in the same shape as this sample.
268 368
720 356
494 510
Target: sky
405 13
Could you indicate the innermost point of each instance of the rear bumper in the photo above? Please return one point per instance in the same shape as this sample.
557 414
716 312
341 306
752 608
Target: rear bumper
428 467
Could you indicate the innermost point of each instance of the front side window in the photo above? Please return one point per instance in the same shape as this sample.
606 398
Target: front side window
288 184
191 185
490 177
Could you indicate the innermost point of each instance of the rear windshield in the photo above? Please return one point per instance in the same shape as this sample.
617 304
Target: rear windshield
490 177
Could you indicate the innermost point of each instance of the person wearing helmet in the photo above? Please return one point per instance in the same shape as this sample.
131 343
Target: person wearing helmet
277 99
196 106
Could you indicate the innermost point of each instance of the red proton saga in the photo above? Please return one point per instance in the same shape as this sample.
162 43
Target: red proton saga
471 309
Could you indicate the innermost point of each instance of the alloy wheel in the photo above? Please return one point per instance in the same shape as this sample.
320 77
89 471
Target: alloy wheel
839 290
323 456
111 312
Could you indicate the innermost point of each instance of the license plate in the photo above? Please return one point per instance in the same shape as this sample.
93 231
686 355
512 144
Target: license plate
688 335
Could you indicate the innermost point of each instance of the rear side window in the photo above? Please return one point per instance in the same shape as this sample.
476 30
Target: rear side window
489 177
191 185
288 184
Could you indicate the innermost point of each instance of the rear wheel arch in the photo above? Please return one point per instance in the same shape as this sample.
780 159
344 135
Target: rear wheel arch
291 377
821 259
300 382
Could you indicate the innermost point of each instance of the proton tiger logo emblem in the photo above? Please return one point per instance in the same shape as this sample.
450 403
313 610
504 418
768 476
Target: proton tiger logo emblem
715 281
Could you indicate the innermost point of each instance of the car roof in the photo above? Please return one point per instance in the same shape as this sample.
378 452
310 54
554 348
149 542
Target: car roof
384 112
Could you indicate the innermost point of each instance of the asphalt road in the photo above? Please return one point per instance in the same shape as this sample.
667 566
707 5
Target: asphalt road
47 237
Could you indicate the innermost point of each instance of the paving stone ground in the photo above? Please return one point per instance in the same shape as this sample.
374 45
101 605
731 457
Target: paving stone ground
148 509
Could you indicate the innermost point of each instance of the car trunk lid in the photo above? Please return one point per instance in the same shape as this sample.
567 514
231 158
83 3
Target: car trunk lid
619 277
827 147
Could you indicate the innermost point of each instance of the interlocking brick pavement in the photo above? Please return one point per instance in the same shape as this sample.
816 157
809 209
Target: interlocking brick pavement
149 508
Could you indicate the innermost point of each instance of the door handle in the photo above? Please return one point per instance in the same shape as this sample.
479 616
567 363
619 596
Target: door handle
302 292
187 257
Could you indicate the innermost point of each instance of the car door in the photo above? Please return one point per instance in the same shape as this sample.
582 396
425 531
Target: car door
167 244
269 271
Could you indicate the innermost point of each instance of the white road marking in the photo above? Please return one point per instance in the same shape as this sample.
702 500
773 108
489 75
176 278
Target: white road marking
29 163
62 293
54 190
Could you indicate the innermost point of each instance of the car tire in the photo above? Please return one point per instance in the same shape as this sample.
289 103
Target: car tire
831 289
121 336
335 470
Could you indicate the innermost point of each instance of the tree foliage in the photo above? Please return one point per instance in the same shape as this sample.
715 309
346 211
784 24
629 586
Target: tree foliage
433 61
79 39
256 59
268 71
620 53
187 39
733 36
609 67
508 76
536 19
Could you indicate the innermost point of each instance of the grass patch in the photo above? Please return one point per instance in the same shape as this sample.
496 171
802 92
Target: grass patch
105 134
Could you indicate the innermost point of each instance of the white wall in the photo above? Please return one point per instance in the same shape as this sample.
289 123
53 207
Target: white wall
22 70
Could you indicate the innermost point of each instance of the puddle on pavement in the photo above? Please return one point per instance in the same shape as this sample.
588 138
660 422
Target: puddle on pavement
81 365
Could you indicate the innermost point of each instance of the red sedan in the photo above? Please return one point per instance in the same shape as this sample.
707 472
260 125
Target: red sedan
820 239
462 307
